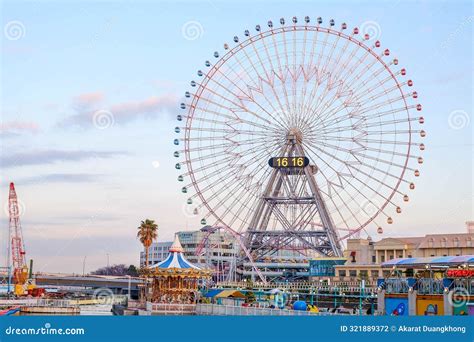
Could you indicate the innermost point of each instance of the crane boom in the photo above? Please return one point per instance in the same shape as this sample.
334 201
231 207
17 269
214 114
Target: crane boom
17 246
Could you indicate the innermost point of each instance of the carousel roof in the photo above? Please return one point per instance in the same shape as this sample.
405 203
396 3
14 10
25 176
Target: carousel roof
176 258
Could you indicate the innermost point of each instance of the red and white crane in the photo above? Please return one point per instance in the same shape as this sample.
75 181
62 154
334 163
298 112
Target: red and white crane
17 244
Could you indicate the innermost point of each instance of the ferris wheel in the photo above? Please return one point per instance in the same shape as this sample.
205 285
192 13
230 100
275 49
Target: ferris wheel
344 99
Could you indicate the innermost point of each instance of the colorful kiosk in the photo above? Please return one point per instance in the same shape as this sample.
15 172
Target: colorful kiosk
174 280
428 286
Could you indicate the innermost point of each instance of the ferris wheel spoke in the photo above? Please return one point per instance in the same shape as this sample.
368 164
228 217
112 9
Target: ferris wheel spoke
366 125
364 116
270 82
342 188
231 121
349 58
338 67
224 171
350 165
374 106
281 76
244 108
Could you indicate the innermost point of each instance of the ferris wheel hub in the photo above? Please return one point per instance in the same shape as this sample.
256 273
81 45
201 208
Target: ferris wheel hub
295 135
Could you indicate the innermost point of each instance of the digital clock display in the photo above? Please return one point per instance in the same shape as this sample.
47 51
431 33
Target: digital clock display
288 162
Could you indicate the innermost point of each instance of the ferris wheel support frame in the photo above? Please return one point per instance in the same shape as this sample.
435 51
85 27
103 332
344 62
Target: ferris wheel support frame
260 242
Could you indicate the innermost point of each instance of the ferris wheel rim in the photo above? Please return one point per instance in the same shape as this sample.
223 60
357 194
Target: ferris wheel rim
202 86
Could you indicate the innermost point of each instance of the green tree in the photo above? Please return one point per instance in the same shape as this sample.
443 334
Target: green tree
147 232
132 271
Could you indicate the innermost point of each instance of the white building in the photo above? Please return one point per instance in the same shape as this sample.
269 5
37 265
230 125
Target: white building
157 252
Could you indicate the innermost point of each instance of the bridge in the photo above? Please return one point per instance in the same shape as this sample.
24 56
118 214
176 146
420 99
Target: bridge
118 283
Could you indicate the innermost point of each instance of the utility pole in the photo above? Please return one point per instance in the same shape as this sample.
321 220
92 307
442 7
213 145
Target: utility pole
84 265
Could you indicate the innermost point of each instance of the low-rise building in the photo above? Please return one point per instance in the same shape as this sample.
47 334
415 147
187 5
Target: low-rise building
157 252
365 256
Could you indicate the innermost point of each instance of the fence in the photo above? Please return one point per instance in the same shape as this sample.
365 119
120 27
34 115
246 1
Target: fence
228 310
63 303
171 309
349 286
427 285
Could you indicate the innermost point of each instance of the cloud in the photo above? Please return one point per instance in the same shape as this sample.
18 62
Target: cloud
62 178
14 128
88 100
42 157
123 112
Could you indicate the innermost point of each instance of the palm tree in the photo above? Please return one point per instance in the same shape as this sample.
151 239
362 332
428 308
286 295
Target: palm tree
147 232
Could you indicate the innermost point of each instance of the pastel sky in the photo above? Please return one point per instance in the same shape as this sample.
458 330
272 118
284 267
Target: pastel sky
84 185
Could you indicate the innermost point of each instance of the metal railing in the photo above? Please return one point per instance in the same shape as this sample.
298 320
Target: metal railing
230 310
396 285
171 309
463 283
63 303
309 286
427 285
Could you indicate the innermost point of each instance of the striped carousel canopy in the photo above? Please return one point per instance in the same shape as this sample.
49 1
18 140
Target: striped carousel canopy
176 258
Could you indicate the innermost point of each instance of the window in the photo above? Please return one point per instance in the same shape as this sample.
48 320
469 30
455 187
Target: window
410 256
456 242
352 273
443 242
373 259
363 274
382 258
374 273
400 255
430 243
391 256
386 274
469 242
342 273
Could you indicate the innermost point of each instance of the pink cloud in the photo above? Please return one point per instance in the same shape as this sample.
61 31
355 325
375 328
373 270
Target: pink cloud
88 99
18 126
148 108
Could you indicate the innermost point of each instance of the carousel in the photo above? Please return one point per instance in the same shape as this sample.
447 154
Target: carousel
175 280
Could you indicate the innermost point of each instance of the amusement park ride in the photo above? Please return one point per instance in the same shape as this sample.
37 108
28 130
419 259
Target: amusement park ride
298 137
22 275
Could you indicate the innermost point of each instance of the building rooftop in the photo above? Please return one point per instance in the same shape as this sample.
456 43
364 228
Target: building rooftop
447 240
